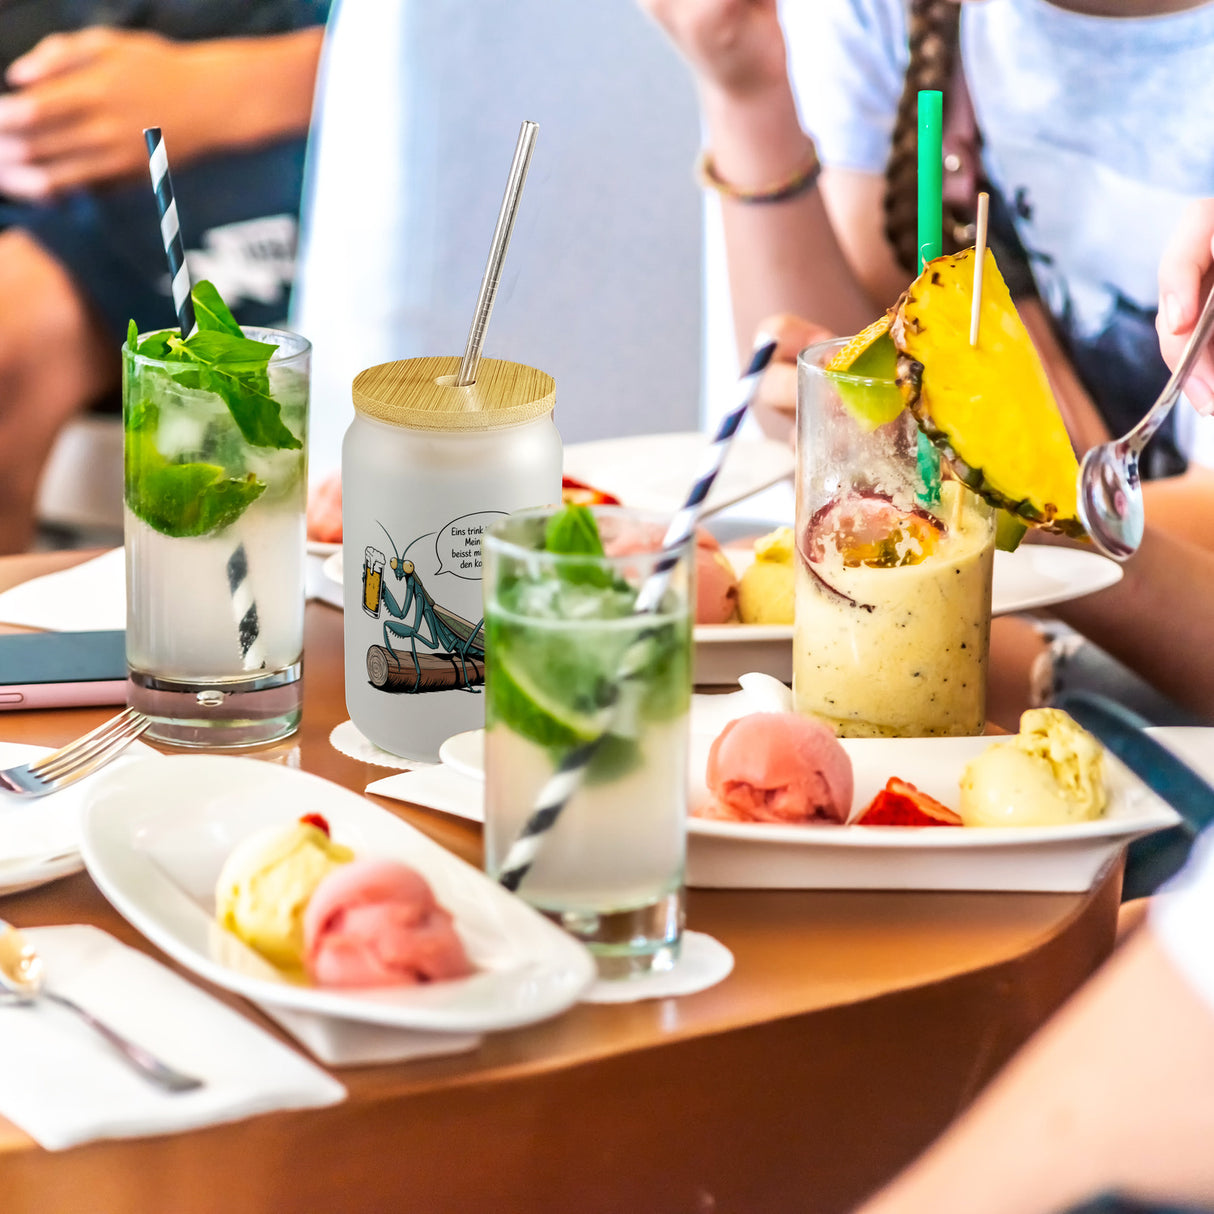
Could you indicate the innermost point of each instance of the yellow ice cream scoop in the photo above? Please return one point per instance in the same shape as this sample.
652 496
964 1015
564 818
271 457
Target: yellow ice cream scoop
1050 773
265 883
765 590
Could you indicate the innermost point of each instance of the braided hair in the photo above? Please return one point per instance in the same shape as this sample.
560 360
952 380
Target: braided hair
934 38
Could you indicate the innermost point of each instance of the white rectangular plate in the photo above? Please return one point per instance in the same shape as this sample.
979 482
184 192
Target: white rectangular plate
156 833
829 856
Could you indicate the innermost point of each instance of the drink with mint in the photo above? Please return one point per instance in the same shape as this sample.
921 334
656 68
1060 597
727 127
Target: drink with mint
560 590
215 488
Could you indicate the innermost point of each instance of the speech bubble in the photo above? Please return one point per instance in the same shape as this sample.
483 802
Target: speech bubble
458 544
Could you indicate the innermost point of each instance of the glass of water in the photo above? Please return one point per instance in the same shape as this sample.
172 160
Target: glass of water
215 495
558 631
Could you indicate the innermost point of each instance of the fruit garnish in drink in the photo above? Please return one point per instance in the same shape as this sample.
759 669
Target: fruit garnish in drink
869 356
987 408
900 803
559 632
165 487
870 530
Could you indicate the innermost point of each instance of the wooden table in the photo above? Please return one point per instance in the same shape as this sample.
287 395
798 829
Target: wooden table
853 1028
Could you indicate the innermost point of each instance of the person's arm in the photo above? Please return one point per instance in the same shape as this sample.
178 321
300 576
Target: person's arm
783 256
1114 1094
80 100
1156 619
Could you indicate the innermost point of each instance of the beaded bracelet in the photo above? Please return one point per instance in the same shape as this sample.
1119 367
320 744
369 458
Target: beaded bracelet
802 180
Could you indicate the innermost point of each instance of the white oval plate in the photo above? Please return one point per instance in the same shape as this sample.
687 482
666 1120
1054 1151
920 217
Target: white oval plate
157 832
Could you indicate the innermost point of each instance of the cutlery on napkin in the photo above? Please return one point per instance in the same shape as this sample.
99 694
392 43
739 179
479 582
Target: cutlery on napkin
63 1085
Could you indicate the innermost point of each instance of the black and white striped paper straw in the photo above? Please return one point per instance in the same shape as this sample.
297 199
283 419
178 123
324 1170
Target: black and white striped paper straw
244 609
170 229
560 787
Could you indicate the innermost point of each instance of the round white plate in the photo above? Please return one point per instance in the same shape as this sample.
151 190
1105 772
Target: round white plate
322 548
155 835
465 753
655 471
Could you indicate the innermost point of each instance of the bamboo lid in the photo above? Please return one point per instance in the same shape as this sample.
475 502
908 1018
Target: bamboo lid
420 393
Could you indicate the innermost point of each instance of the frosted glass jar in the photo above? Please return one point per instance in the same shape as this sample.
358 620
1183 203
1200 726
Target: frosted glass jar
426 468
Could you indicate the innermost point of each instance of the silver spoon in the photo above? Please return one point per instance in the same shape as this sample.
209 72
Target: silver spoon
22 981
1110 492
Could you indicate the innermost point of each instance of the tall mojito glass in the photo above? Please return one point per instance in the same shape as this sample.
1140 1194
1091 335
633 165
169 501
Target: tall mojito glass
894 564
558 630
215 488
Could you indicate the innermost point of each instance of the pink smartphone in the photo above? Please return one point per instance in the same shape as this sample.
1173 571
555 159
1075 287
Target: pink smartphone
62 669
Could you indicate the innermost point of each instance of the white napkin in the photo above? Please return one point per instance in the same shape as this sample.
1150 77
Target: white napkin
703 962
90 597
354 1043
349 740
436 788
34 828
64 1085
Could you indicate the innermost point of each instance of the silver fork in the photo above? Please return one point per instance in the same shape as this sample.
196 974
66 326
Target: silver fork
77 759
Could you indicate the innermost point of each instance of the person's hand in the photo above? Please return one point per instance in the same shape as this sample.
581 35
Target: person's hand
775 406
79 103
736 45
1186 275
324 511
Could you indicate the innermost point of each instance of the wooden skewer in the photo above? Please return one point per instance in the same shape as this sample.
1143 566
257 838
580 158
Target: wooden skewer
984 206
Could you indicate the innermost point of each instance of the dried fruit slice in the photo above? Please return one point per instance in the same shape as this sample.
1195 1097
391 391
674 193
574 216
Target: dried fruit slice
864 371
900 803
868 529
987 408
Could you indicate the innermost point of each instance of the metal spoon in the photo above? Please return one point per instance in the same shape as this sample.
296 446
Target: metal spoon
22 981
1110 492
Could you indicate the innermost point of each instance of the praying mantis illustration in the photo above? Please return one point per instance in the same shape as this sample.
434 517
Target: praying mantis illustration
458 645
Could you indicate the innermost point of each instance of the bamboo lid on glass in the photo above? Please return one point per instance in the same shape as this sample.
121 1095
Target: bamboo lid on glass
421 393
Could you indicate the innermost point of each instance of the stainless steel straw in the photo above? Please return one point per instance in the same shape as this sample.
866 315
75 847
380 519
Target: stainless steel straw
497 253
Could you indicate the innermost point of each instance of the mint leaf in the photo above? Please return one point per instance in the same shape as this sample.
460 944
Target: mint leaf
182 499
235 369
237 353
211 312
132 334
572 531
156 346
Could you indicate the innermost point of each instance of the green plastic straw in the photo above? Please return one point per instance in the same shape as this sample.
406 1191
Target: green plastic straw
931 243
931 175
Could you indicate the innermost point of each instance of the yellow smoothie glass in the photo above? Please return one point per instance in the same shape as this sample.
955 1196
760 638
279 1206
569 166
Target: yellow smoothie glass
893 585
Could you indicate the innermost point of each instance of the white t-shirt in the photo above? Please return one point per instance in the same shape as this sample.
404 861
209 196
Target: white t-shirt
1097 131
420 107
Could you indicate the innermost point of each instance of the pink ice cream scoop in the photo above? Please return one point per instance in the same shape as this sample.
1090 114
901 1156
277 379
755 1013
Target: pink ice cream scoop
778 767
379 925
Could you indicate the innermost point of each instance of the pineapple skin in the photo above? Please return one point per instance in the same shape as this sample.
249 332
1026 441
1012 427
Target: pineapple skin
1005 332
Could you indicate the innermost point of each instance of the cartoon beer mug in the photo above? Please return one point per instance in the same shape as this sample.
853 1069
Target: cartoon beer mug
373 580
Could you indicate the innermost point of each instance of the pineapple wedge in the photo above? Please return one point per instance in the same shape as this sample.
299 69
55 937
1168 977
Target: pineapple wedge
987 408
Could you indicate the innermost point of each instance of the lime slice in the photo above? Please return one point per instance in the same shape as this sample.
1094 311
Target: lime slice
1009 531
524 708
869 355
